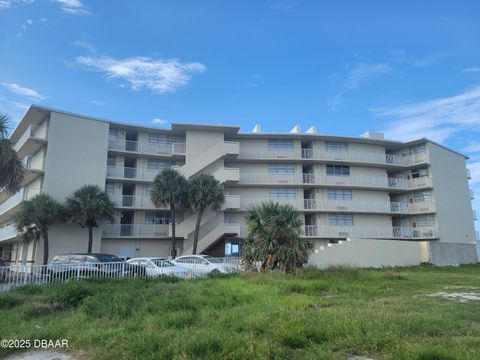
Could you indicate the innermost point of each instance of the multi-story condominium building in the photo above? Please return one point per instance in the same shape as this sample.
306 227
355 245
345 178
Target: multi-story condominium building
365 201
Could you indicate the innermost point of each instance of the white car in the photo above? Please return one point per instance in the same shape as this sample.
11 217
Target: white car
203 264
155 266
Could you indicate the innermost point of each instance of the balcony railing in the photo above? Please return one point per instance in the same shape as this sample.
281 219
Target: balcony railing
404 233
137 173
336 156
469 174
366 206
474 214
136 230
32 132
133 201
23 194
167 149
326 180
8 232
34 162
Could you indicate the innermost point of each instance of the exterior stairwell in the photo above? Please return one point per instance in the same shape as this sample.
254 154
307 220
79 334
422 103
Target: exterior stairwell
209 156
210 232
187 226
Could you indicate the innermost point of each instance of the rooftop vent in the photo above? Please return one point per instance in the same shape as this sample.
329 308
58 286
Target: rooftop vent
311 130
295 129
256 129
373 135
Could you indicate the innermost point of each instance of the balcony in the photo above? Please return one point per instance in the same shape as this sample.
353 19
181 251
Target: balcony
469 174
336 156
31 140
136 231
397 233
14 201
306 179
227 175
474 214
8 232
231 202
168 149
133 202
320 205
472 195
129 173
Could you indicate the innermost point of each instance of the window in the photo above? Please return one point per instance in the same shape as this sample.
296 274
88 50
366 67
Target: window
109 188
285 144
341 219
148 190
111 161
155 164
421 196
157 217
425 220
417 149
113 134
416 173
280 193
331 146
281 169
338 170
160 139
339 194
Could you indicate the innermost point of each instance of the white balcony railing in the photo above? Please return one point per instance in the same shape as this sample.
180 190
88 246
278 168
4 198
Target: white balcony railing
353 181
133 201
34 162
337 156
366 206
8 232
136 230
23 194
147 148
33 131
138 173
405 233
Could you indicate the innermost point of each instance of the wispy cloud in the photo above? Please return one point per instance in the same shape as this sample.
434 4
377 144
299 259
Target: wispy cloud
73 7
436 119
158 75
95 102
283 5
159 121
85 45
23 91
5 4
357 75
472 69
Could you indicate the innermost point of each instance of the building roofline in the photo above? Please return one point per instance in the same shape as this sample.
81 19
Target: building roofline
230 130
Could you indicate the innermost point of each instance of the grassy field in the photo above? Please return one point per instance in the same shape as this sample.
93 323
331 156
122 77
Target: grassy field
332 314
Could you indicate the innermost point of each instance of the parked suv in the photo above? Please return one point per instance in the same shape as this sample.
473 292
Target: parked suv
84 265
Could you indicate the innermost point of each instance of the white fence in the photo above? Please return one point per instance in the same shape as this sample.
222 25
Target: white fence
17 275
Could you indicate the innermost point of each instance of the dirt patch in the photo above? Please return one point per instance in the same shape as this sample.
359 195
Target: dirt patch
457 296
40 355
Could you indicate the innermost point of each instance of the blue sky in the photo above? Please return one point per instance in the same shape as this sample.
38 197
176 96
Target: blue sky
407 68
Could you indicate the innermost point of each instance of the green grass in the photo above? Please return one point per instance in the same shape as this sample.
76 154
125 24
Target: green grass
331 314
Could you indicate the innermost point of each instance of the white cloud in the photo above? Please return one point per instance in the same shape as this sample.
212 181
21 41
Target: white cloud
73 7
5 4
472 69
85 45
472 148
436 119
19 90
357 75
159 121
158 75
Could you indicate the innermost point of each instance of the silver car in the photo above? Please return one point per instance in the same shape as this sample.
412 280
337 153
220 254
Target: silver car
156 266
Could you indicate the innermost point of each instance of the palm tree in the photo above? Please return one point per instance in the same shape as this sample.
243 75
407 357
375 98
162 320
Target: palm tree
89 206
11 168
274 237
36 216
204 191
170 188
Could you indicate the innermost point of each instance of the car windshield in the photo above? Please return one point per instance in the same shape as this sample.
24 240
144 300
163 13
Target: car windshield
109 258
162 263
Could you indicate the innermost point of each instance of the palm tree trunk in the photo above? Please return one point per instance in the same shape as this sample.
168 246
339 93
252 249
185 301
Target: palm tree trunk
197 231
90 239
45 246
173 252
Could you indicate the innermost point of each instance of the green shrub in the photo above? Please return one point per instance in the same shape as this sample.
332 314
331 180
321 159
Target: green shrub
71 294
11 300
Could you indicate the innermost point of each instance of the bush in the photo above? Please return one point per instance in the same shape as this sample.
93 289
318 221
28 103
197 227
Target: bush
70 294
8 301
